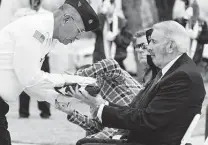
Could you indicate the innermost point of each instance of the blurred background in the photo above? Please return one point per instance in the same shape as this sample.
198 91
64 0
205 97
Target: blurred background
139 14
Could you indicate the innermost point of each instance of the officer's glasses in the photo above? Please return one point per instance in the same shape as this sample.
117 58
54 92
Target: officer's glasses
78 29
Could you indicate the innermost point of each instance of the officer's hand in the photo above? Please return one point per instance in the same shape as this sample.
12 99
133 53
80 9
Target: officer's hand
78 79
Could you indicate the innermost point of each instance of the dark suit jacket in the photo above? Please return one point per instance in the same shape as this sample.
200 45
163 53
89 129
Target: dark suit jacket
202 38
167 110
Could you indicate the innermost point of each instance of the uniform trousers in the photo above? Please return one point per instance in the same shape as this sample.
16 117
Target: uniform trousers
43 106
5 138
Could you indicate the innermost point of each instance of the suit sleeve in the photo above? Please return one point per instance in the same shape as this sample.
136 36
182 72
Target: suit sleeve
168 101
91 125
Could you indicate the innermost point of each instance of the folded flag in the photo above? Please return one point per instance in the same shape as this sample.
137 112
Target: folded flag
92 89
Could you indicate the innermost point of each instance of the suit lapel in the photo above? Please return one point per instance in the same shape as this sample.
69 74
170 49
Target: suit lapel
149 93
180 61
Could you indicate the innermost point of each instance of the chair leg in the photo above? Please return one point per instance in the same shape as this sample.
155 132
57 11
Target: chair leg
206 123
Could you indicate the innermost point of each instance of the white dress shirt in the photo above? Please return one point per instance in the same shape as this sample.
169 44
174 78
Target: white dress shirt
22 52
164 71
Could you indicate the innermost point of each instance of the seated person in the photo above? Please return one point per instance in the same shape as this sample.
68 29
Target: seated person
161 113
109 73
143 57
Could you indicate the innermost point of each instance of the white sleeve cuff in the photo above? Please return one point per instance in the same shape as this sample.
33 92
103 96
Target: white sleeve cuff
100 110
117 137
106 103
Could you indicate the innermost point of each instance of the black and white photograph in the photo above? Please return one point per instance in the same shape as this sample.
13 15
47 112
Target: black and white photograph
103 72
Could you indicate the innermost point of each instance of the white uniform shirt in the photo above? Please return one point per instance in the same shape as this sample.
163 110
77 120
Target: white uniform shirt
28 11
23 46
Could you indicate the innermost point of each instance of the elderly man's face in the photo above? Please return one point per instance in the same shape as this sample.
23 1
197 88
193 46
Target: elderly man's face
157 47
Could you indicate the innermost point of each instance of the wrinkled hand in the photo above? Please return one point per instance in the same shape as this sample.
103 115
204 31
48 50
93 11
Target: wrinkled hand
64 107
83 95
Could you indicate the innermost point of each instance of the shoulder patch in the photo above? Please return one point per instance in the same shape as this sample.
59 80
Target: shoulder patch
39 36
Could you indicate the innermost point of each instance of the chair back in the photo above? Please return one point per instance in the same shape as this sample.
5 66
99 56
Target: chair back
206 141
187 137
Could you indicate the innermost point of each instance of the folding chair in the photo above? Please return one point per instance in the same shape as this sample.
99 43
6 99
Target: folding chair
206 141
186 140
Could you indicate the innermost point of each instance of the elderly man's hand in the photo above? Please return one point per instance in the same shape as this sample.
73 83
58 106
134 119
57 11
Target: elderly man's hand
83 95
64 107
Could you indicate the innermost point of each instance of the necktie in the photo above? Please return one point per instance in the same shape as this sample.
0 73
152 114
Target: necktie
155 80
143 96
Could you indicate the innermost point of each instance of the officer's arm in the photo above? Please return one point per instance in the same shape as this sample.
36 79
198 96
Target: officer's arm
27 55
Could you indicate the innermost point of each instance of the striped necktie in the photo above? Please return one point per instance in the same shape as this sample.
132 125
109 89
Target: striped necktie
143 96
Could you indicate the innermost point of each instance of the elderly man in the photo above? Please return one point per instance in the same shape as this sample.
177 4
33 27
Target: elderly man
24 44
162 112
142 57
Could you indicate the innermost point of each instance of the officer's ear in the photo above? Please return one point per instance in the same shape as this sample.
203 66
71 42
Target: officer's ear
66 18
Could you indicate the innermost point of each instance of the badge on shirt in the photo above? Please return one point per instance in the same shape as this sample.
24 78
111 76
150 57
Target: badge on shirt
39 36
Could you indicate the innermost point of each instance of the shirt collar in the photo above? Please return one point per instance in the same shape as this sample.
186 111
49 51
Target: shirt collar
49 27
168 66
50 24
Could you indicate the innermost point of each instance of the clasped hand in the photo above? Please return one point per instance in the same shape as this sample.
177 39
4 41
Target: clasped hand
83 95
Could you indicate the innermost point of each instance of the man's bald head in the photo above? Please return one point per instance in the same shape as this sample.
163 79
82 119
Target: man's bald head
168 40
175 32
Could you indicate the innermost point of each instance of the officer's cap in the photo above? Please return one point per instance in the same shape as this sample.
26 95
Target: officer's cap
88 15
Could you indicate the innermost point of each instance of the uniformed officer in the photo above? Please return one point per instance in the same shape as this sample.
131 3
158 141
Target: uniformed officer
24 99
23 46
